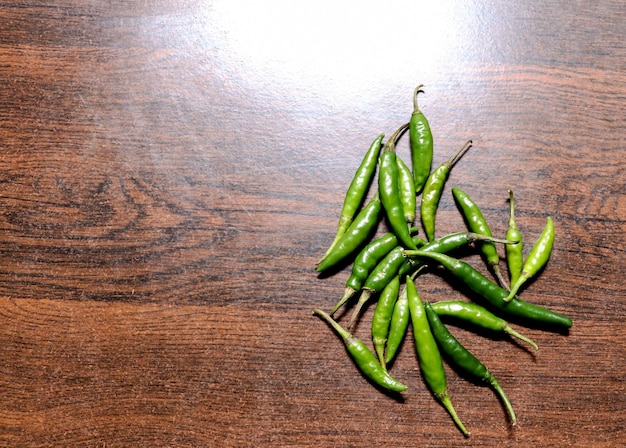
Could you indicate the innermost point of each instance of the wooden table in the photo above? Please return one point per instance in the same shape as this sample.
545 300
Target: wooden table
171 171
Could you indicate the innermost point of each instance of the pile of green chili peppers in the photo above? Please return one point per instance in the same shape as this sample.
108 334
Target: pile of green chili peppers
386 268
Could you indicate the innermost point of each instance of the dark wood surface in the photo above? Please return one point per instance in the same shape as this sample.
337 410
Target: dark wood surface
171 171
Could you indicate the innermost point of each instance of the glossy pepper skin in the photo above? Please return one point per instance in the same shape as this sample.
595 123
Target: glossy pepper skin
382 318
537 258
365 262
458 355
477 223
514 252
443 245
364 359
477 316
389 191
382 274
369 257
421 142
494 294
428 354
406 186
431 194
398 326
363 265
361 229
357 190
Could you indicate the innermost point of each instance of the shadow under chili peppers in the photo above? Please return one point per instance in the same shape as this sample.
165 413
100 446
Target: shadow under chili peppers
396 396
477 298
497 337
528 283
340 266
477 382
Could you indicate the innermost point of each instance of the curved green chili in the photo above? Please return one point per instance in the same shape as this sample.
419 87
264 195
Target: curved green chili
361 229
454 241
364 359
463 359
382 318
433 189
399 321
428 354
493 293
421 142
363 264
406 186
537 258
477 223
389 190
447 244
357 191
394 263
391 265
398 326
380 276
477 316
514 252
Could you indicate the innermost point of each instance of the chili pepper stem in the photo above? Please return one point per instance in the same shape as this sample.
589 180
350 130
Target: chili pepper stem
496 270
507 329
379 348
515 286
391 143
500 392
416 109
362 356
458 154
444 398
471 237
345 334
365 296
347 295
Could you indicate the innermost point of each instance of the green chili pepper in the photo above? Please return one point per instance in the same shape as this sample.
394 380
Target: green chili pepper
493 293
447 244
399 322
537 258
463 359
421 141
365 262
428 354
364 359
478 316
398 326
382 274
361 229
382 318
393 265
514 252
433 189
389 190
357 191
456 240
477 223
406 186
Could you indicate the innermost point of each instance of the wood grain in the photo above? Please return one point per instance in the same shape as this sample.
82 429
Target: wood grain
165 192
